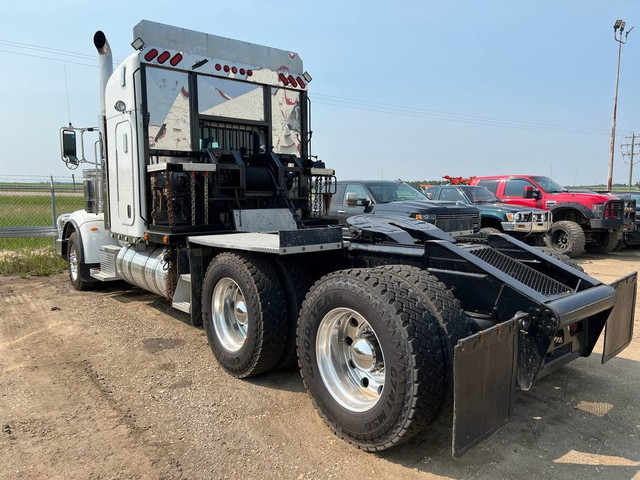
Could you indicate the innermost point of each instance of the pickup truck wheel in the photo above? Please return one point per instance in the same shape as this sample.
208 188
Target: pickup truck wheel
486 231
244 313
566 237
371 357
605 242
78 270
561 257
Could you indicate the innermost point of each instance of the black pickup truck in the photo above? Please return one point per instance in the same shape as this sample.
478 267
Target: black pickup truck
396 198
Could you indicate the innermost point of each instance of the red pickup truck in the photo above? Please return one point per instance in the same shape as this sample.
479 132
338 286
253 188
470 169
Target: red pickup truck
581 220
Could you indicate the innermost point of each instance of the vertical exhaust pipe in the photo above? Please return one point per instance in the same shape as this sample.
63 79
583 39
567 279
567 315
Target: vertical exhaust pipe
105 64
105 61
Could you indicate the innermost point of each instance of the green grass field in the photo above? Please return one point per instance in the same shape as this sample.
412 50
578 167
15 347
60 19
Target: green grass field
32 256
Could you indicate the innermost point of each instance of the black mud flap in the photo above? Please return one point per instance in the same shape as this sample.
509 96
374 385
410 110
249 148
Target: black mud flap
484 384
619 328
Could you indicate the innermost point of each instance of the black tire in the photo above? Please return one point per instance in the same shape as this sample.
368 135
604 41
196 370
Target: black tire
443 306
408 339
262 308
296 281
561 257
566 237
606 242
79 271
486 231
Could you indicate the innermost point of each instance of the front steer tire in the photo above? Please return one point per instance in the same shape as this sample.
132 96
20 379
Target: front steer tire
566 237
244 313
401 332
79 271
606 243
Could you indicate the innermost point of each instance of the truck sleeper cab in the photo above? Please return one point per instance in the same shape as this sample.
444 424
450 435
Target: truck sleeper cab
213 202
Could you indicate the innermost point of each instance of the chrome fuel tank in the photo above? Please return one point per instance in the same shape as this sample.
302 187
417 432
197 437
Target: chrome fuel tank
146 269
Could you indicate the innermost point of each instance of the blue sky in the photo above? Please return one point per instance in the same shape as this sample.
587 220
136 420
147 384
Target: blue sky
406 89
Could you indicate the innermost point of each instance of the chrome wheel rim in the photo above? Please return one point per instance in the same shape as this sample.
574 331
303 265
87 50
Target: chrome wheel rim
229 314
350 359
73 263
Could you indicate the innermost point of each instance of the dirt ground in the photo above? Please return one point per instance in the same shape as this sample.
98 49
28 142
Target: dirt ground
115 384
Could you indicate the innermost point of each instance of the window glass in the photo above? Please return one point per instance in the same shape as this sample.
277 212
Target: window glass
479 194
168 107
452 195
286 120
549 185
515 187
220 97
385 192
358 190
492 185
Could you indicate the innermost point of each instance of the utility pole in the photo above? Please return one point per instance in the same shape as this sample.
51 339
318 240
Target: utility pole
630 152
618 26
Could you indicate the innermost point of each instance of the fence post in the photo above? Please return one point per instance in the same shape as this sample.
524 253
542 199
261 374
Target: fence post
53 203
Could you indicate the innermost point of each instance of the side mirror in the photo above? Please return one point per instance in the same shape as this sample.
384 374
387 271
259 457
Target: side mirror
429 195
528 192
352 199
69 153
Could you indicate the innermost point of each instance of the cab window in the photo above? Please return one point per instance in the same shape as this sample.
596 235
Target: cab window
515 187
357 189
492 185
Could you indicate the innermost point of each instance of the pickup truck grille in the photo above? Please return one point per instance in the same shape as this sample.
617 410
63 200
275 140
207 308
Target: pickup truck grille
523 273
456 222
613 209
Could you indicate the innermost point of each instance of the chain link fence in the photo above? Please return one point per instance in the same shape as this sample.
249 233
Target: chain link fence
29 206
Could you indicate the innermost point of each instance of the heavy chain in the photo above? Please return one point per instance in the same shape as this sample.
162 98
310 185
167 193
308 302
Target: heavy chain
169 194
206 198
193 198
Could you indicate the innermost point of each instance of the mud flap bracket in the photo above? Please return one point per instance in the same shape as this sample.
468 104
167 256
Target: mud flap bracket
485 367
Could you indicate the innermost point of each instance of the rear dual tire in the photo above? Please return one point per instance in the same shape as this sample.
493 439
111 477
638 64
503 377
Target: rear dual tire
374 355
244 313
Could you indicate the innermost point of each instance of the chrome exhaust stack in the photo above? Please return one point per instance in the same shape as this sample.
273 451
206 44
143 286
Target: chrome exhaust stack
105 64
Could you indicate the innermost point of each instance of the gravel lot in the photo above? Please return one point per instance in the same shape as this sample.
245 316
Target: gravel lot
115 384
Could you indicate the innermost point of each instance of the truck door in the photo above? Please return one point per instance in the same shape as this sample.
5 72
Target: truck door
124 174
514 193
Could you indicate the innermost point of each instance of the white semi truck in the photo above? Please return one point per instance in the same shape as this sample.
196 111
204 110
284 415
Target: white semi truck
205 192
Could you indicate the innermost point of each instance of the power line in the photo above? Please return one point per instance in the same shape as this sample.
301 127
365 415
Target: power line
48 58
450 118
367 103
343 102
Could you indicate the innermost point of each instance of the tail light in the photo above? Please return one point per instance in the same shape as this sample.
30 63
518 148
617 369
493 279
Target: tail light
292 81
234 70
301 82
177 58
151 54
163 57
283 79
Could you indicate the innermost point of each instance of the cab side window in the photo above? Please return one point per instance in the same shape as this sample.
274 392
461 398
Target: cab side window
358 190
492 185
515 187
